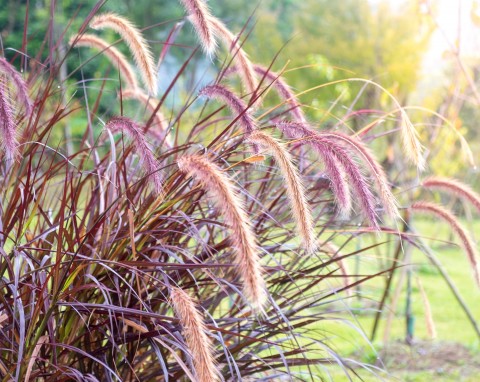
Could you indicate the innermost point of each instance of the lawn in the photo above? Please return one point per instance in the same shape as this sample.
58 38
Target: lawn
454 355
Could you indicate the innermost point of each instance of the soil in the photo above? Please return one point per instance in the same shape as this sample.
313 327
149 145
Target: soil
439 358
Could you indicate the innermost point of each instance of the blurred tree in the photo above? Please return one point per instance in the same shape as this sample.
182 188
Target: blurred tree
377 43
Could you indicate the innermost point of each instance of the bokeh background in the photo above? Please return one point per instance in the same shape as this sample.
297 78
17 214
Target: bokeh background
424 52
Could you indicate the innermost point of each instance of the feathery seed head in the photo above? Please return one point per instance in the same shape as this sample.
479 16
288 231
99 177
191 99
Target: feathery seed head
230 205
112 53
135 41
201 19
466 241
195 333
365 154
7 126
454 187
21 86
411 143
234 103
295 190
335 172
333 154
134 132
430 324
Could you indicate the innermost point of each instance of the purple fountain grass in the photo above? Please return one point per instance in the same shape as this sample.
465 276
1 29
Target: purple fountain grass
466 241
332 154
112 53
339 184
341 188
245 66
295 190
379 176
453 187
242 237
282 88
135 41
8 127
87 231
21 86
201 19
134 132
411 144
284 91
195 333
160 127
234 103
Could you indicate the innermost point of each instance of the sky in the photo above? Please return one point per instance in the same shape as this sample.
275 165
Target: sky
454 18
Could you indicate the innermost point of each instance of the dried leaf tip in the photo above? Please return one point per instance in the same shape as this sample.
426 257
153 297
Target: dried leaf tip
227 201
467 243
195 333
295 190
234 103
19 83
135 41
112 53
201 19
134 132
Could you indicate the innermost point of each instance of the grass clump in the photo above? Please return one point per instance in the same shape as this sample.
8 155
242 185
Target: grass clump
173 254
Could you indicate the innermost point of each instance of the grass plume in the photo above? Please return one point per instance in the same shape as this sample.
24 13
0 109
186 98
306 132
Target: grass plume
411 143
429 322
453 187
332 154
134 132
8 127
242 237
135 41
466 241
200 17
234 103
22 89
113 54
195 334
365 154
295 190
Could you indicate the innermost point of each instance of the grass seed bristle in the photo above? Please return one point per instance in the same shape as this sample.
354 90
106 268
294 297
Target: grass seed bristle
135 41
242 237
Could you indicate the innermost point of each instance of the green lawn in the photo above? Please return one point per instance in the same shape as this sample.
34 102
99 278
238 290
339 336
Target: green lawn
452 326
